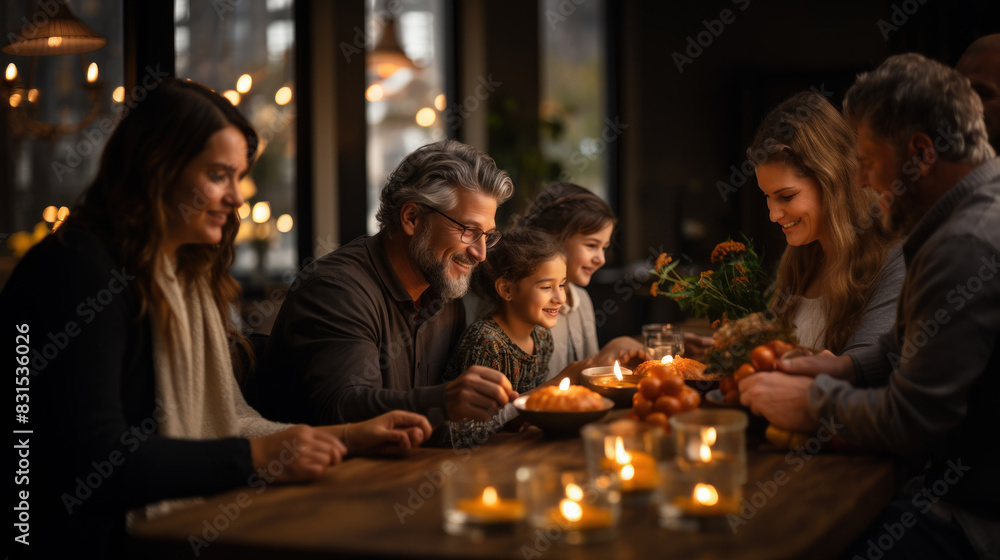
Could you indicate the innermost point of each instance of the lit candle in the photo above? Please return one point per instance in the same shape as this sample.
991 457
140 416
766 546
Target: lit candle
564 384
617 383
637 469
706 501
92 73
574 515
490 508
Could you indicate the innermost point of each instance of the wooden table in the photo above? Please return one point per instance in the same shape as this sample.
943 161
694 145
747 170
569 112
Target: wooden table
797 506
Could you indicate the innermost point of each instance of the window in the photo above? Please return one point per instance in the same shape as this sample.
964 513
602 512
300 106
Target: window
405 86
572 107
244 50
56 121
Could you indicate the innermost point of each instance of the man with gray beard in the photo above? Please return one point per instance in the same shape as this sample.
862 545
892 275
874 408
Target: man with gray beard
368 328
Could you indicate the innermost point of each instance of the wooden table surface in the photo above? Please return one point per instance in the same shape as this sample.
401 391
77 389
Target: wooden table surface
797 506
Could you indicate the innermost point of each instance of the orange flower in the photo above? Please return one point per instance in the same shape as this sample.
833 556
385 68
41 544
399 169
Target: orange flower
677 288
716 323
653 290
726 247
662 261
706 278
741 281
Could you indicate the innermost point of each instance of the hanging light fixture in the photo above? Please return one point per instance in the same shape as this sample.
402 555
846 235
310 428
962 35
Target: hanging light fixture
61 33
56 31
388 56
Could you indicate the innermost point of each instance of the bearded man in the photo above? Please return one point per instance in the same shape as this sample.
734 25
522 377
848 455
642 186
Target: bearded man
369 327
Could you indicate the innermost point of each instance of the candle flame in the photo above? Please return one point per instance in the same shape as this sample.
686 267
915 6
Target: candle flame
708 436
564 384
490 496
622 457
667 359
628 472
706 453
92 72
706 494
570 510
11 72
574 492
618 371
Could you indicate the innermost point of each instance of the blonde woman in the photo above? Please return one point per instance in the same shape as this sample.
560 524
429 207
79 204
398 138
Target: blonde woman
841 273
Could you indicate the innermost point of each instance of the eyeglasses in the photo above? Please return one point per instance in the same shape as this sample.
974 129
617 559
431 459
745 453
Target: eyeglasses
471 234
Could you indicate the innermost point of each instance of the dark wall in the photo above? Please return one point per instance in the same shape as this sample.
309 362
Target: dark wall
690 119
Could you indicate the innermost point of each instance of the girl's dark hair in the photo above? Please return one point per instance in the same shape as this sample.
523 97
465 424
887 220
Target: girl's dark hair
516 256
565 209
141 164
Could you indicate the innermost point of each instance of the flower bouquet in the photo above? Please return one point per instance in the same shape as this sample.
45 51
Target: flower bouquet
735 289
733 296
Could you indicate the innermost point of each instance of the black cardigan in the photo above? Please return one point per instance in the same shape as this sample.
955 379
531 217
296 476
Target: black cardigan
94 452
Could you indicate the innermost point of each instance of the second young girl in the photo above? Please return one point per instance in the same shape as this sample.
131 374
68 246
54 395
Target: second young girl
523 283
582 224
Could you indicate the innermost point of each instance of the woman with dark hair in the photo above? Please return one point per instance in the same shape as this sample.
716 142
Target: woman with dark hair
126 317
841 273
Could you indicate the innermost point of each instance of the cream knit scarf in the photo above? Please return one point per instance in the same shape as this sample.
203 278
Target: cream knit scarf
195 385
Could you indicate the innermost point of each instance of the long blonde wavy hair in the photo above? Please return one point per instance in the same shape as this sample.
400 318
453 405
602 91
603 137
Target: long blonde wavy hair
806 133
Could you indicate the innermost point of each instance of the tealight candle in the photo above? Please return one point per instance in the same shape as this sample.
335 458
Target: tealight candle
573 505
490 508
630 450
615 382
637 469
481 499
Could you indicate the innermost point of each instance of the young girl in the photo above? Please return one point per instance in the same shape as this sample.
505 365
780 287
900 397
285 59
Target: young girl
523 282
582 224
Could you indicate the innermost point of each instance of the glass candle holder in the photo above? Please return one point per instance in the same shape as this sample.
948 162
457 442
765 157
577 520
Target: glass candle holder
571 505
705 481
478 500
632 451
662 339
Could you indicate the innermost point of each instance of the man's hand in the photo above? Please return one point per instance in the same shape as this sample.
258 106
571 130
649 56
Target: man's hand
477 394
696 346
838 367
303 453
782 399
624 349
392 432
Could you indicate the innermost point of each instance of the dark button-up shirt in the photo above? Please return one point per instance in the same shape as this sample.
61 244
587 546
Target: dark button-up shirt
349 343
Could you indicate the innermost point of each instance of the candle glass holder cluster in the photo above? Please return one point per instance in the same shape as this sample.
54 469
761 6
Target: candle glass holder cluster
705 481
478 501
571 506
632 451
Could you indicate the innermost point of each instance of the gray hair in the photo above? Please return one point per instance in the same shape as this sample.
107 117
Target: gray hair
907 94
430 174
